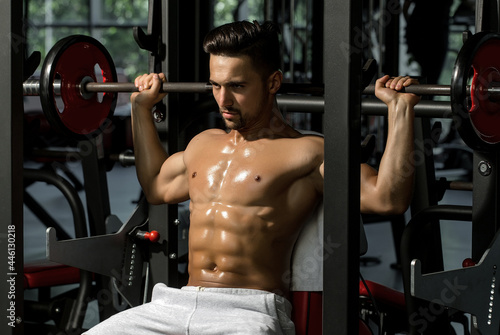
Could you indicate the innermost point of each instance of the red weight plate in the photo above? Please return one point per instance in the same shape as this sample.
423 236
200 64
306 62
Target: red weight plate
83 116
484 112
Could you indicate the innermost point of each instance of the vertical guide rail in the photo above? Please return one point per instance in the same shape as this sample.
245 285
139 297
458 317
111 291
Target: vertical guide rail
171 64
342 73
11 139
98 209
163 24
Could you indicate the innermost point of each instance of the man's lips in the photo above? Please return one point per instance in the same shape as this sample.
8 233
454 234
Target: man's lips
228 114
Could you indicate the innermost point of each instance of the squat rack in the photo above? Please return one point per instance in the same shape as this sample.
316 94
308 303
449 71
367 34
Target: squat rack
341 119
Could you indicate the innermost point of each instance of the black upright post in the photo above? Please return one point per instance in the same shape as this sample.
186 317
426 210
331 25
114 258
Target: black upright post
163 218
430 253
317 57
391 34
343 44
487 16
426 194
99 209
486 205
11 169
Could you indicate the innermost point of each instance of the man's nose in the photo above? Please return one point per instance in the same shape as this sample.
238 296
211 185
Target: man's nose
225 98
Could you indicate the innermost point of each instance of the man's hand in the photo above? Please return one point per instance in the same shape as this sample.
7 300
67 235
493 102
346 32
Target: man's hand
149 90
389 89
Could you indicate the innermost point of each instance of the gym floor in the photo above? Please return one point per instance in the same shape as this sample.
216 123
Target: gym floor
124 190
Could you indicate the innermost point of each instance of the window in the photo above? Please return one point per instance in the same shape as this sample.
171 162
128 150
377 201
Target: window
109 21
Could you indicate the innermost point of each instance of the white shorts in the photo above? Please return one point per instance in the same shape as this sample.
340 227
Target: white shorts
205 311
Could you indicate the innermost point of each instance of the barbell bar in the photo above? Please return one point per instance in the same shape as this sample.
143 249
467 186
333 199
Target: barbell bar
421 89
68 73
493 91
289 103
31 87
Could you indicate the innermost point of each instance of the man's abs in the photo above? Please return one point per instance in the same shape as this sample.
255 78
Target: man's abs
230 246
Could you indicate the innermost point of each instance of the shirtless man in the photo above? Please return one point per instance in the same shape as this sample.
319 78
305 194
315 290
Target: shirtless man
250 188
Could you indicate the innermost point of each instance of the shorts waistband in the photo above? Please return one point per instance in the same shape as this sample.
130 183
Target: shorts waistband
232 290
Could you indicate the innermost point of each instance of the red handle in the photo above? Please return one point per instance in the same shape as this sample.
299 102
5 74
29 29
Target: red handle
153 236
468 262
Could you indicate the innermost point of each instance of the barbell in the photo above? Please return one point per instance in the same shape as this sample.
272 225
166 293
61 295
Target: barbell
69 74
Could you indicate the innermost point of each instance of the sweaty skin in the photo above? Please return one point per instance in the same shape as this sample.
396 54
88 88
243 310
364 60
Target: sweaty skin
251 187
248 200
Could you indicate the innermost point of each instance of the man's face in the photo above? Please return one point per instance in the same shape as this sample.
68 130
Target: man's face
238 89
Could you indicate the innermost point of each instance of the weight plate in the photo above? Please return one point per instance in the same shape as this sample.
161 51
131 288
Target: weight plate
70 61
476 116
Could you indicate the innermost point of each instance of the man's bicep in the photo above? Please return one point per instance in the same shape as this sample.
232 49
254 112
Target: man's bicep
172 183
318 178
368 188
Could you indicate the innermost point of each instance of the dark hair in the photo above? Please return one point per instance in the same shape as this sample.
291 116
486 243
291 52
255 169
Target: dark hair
244 38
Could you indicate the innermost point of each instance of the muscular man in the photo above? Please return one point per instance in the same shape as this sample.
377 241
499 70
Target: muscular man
251 188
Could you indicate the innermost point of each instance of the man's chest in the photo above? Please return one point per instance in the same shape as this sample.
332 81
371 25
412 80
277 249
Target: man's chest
238 177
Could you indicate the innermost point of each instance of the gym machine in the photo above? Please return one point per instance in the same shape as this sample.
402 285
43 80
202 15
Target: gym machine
473 108
78 91
482 122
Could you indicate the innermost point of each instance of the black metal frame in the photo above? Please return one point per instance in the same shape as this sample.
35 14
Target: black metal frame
342 75
74 316
11 234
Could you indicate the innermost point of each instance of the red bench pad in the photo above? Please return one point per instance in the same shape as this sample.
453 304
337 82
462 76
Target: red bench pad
49 274
307 312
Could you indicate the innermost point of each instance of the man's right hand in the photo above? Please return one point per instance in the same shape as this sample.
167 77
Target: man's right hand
149 90
391 89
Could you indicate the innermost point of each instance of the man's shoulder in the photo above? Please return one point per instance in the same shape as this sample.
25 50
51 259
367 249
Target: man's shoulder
211 132
205 135
311 138
306 148
201 140
301 142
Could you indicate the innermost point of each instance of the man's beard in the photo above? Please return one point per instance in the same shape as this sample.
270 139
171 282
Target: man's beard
237 124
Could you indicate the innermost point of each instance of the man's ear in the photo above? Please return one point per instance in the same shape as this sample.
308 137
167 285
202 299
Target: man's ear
274 81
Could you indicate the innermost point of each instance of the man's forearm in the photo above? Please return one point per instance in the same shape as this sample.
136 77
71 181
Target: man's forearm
396 171
149 152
